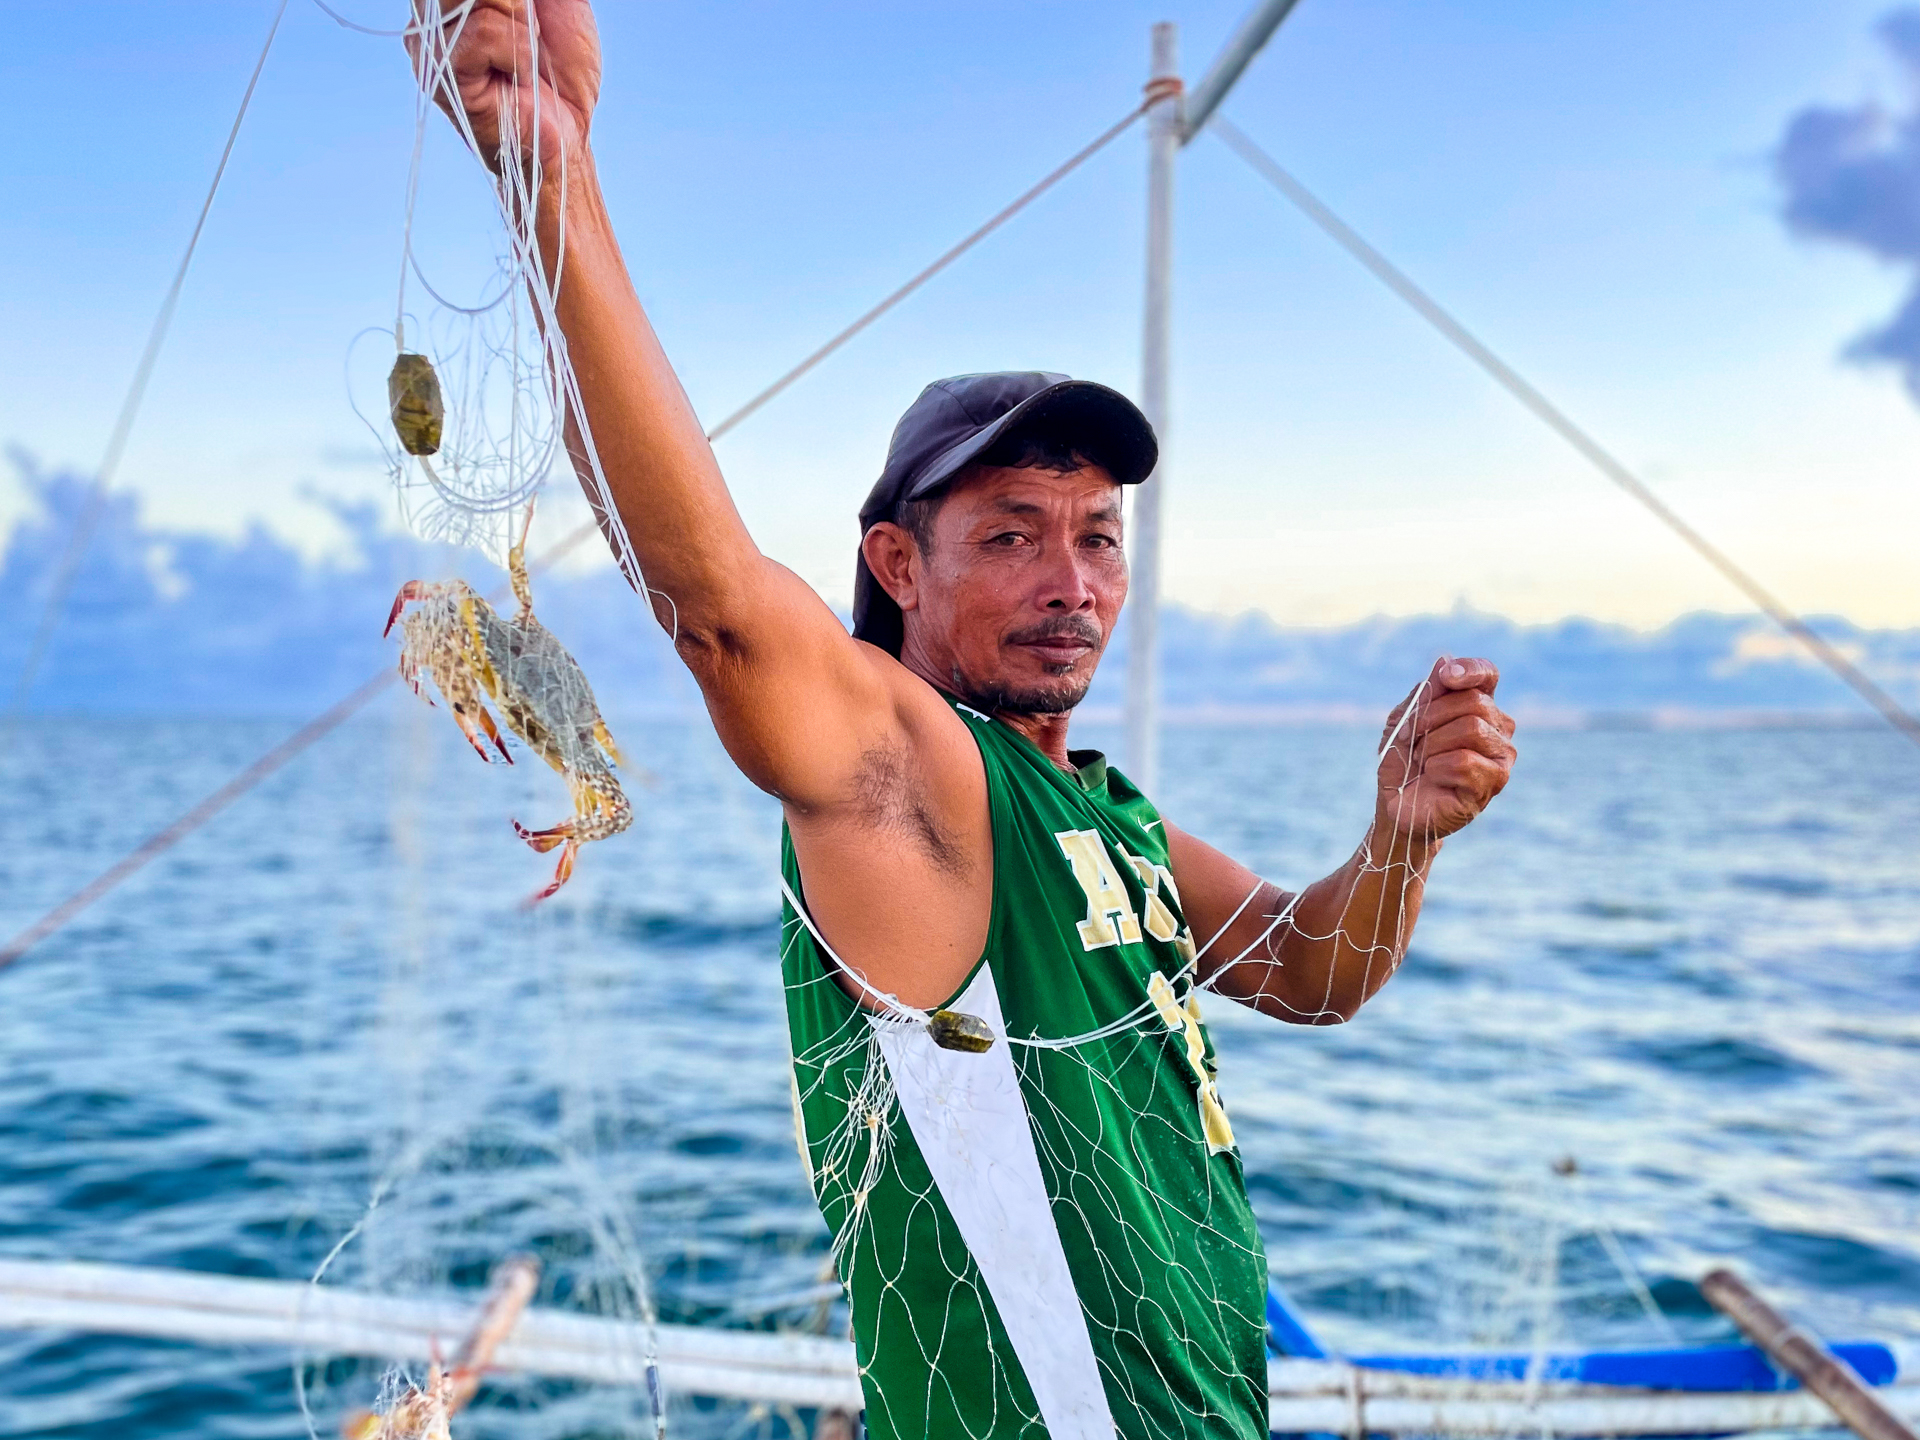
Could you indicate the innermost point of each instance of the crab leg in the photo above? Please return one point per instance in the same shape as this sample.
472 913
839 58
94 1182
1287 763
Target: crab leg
493 734
544 840
471 730
410 673
605 737
469 710
561 874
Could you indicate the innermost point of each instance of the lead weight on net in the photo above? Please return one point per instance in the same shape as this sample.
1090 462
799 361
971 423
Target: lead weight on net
413 395
953 1031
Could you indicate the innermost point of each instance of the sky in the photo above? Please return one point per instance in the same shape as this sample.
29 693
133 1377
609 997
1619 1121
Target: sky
1639 205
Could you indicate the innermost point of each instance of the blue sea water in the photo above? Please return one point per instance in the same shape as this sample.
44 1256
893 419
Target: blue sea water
1688 960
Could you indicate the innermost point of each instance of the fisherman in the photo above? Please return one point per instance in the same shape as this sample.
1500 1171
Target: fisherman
1050 1236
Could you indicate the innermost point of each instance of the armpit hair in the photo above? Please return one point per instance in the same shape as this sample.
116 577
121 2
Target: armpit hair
889 795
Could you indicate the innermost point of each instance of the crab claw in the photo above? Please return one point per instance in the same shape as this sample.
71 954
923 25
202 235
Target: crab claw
412 590
561 874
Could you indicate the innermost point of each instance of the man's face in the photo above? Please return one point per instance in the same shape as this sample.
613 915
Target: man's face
1012 603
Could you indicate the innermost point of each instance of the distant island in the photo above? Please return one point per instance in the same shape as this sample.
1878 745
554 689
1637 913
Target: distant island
172 623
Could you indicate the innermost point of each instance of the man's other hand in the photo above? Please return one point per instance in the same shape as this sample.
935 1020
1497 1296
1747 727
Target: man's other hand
1446 751
490 46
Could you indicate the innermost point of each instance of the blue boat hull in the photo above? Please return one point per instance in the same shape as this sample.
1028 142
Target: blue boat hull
1719 1369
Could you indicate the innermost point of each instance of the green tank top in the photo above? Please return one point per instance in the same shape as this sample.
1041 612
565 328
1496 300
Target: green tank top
1052 1237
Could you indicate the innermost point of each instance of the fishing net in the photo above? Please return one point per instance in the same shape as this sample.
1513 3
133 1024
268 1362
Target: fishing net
494 438
493 1102
477 419
479 1151
481 406
598 1082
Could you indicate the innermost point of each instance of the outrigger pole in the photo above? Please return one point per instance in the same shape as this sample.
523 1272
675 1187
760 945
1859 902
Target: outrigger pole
1598 1393
1172 121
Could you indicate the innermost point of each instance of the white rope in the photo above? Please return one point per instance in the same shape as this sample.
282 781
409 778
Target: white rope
1558 421
89 517
891 1005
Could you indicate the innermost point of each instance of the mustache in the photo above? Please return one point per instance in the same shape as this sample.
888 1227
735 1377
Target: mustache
1073 627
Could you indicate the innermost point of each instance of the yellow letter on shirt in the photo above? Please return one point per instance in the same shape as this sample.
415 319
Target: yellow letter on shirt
1107 898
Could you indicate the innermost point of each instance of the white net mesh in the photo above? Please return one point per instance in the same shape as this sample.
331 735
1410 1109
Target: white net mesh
475 422
478 412
512 406
485 1090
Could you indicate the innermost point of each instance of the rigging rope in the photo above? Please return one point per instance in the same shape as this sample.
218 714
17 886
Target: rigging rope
1508 379
89 517
156 845
1073 163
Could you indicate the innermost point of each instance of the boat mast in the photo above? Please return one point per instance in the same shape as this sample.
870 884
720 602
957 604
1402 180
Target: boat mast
1170 125
1143 639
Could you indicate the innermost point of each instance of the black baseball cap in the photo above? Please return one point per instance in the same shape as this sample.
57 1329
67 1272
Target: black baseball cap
956 420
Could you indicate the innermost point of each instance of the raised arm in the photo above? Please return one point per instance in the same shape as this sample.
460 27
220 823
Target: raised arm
754 634
1316 957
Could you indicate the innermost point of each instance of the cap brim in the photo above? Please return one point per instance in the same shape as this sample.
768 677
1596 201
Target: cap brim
1094 419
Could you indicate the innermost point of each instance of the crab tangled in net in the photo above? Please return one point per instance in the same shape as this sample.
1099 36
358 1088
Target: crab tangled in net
413 1413
470 652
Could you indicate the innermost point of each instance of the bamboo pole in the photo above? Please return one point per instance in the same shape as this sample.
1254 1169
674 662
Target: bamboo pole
811 1372
323 1319
1631 1412
1143 526
1805 1358
426 1412
1247 42
513 1286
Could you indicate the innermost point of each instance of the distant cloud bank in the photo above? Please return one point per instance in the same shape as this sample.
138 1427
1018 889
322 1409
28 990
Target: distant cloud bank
164 622
1853 175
